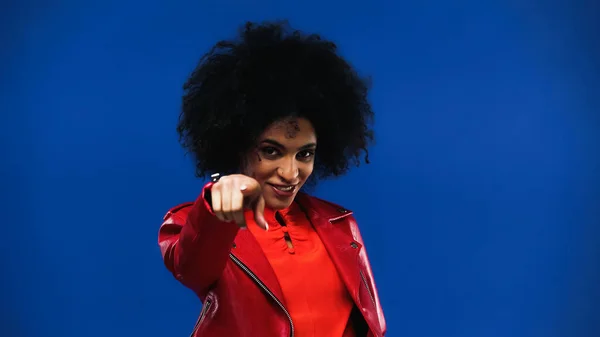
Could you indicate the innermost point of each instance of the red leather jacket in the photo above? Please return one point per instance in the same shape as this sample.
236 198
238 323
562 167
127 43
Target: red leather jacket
240 293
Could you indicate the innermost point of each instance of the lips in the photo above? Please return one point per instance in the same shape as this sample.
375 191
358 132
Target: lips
284 190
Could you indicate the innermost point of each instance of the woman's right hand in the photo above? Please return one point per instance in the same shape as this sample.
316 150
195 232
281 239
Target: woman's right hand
232 194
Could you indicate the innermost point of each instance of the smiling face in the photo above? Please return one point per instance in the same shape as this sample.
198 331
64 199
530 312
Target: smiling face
282 160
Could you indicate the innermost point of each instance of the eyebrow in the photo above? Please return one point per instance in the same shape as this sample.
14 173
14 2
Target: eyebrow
276 143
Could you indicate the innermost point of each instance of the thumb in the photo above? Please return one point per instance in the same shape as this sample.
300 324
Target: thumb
259 213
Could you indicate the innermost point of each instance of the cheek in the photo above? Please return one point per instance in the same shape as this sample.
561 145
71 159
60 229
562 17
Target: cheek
306 169
260 170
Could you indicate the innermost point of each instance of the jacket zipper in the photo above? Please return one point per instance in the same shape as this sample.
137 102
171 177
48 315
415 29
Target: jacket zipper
251 274
362 275
203 312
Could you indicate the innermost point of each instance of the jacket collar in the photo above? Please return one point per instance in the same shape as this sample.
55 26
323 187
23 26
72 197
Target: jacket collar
321 209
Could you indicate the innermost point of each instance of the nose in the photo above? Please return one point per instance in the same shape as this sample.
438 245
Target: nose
288 171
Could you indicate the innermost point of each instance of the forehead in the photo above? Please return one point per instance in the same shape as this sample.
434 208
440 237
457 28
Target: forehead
291 130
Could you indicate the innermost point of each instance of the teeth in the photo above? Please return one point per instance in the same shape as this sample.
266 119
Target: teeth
285 189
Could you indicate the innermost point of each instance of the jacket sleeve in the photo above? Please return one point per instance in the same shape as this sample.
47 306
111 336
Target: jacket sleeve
195 244
369 275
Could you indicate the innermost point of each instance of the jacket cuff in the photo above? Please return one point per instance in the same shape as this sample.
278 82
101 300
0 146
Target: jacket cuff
202 214
205 198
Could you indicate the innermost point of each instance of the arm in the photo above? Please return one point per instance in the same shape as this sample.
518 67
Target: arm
195 244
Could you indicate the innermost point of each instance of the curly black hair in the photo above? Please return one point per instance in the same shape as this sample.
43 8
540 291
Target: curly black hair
270 72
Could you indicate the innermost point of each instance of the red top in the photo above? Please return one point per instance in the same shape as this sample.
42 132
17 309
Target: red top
313 292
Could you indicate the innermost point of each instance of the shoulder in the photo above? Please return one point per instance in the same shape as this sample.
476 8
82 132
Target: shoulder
335 213
328 204
180 210
324 207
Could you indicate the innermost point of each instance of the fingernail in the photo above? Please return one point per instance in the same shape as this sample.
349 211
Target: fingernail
266 226
243 187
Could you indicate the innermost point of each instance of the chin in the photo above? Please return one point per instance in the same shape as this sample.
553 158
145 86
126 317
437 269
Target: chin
279 204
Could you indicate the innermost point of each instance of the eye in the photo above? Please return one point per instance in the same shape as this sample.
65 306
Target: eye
269 151
306 154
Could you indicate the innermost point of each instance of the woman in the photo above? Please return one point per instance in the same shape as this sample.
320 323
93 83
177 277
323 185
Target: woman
270 112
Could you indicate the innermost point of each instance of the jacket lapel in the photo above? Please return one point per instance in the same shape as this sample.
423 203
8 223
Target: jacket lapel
344 250
341 246
247 251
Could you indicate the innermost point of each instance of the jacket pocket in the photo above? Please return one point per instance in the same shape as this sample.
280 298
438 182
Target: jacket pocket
205 308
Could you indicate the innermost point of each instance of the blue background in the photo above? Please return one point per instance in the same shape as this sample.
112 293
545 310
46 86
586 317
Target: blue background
479 210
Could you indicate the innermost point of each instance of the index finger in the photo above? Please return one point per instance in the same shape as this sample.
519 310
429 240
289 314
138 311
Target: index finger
259 213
